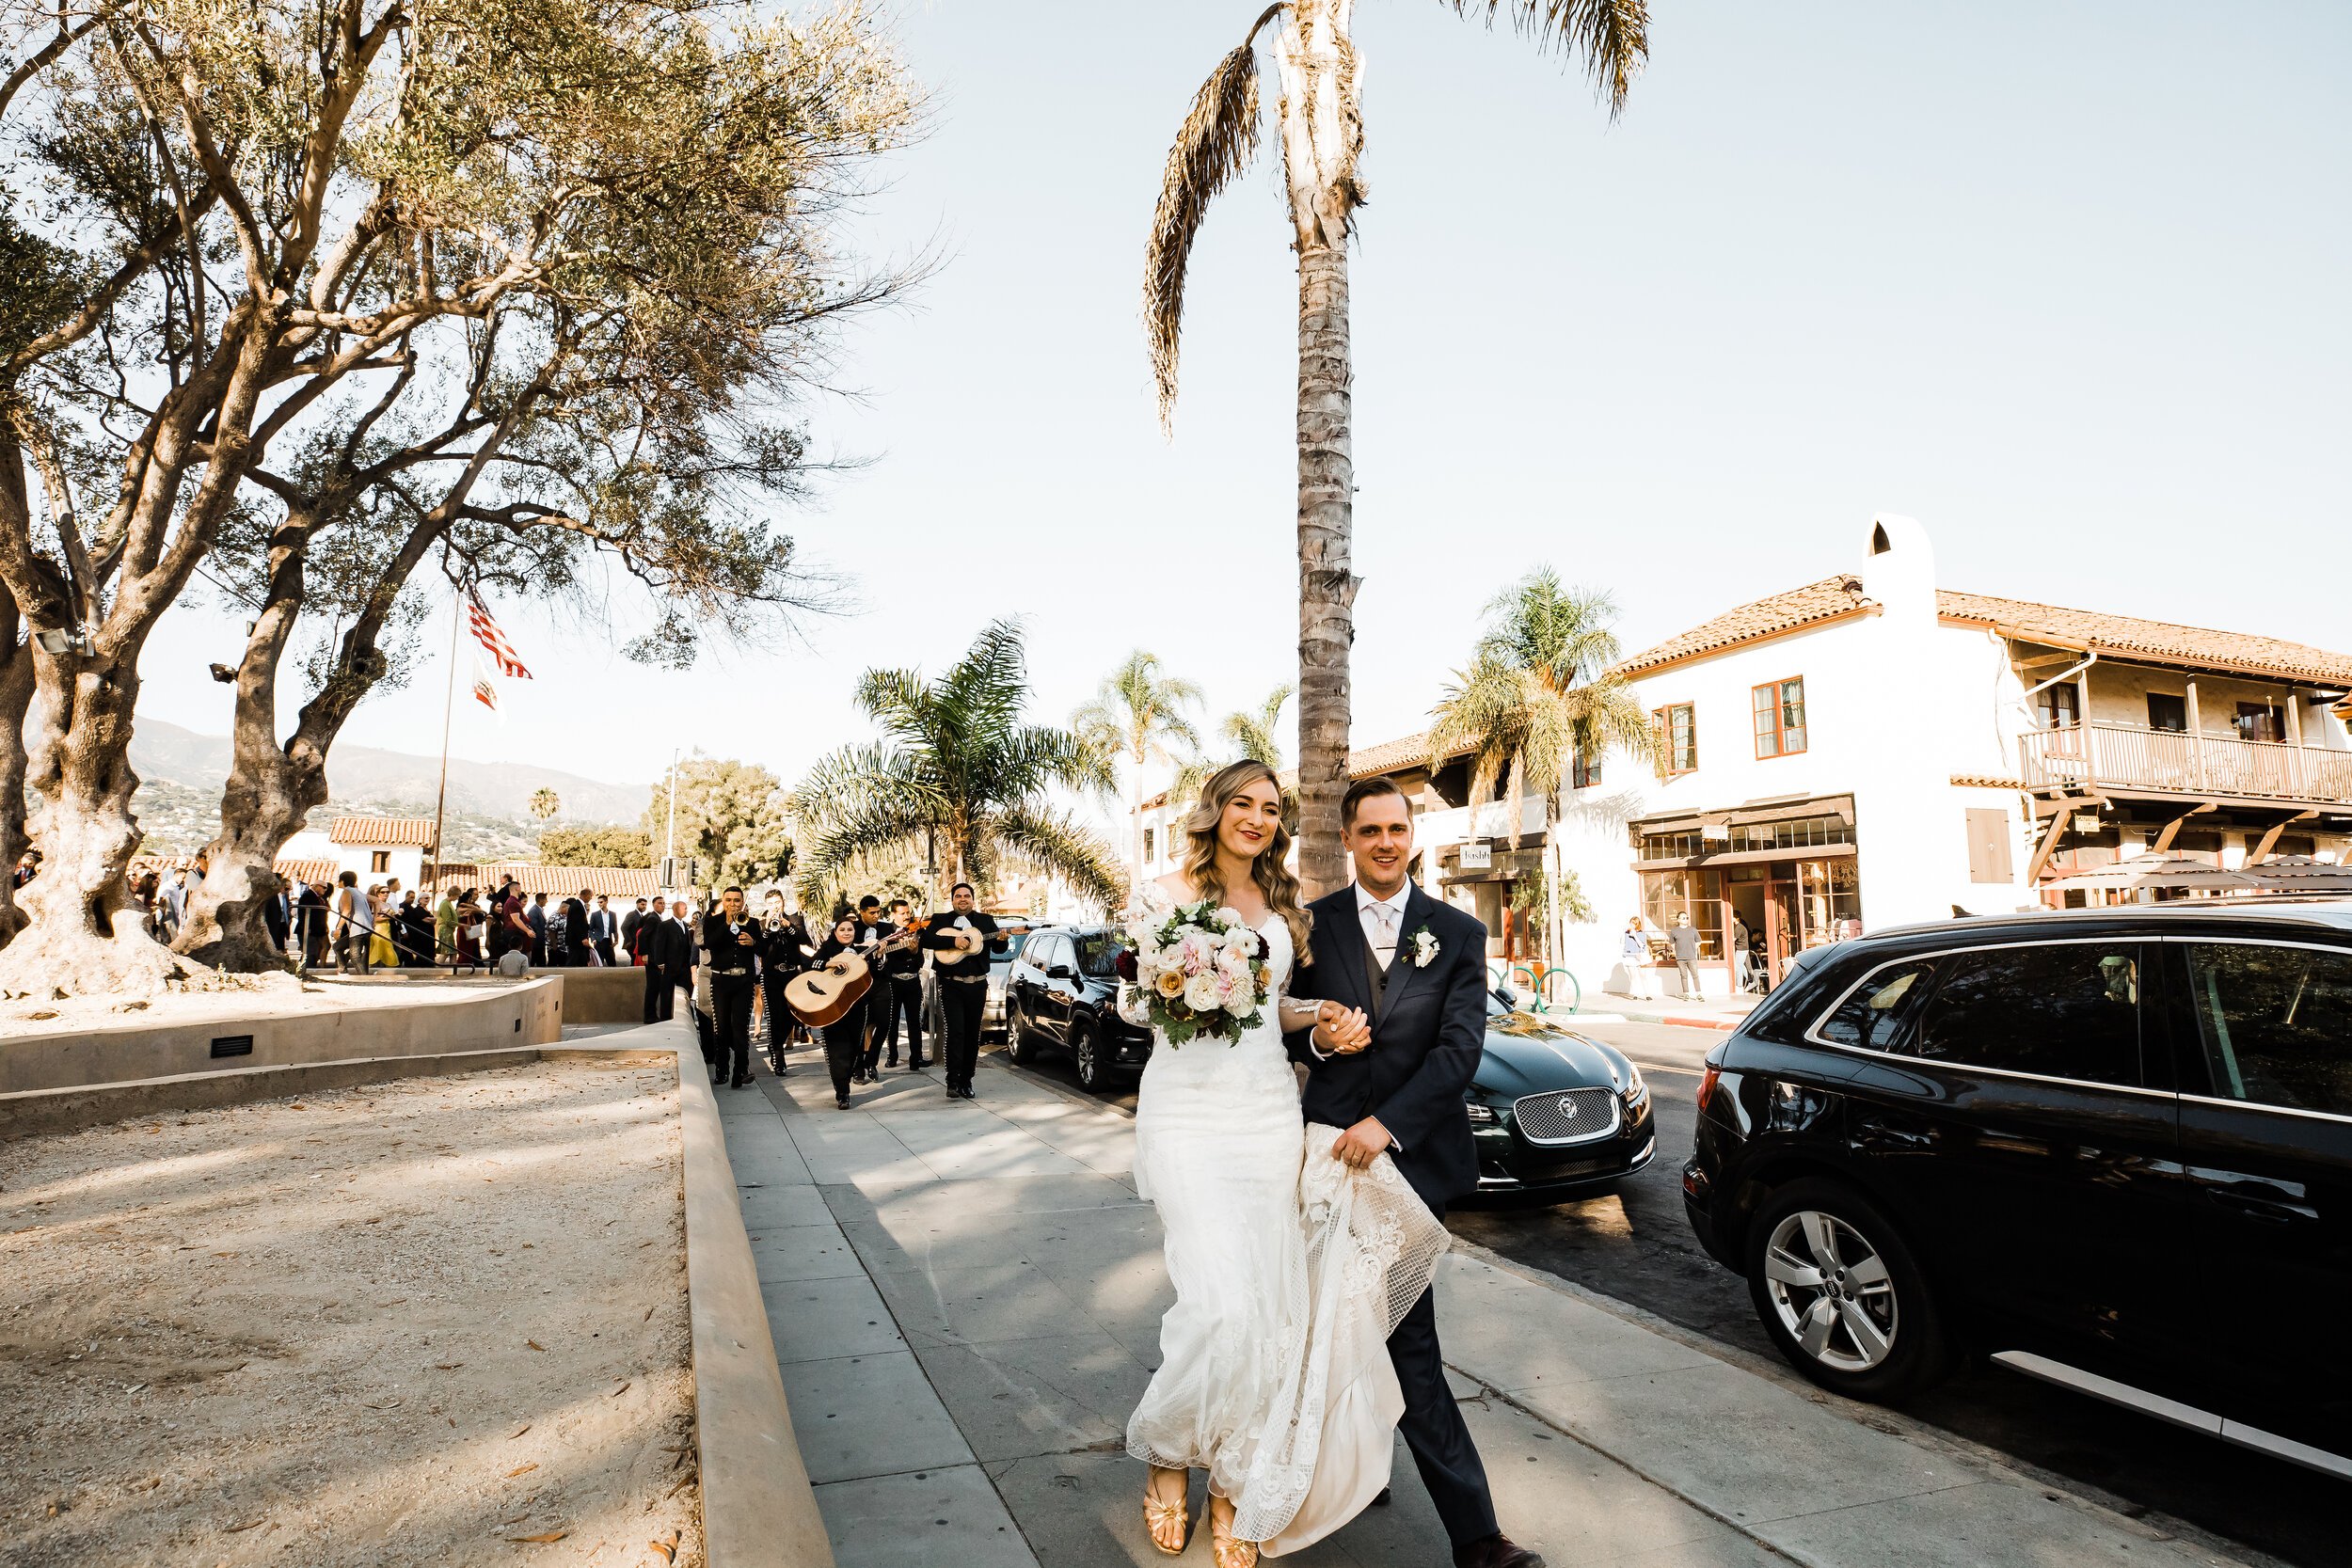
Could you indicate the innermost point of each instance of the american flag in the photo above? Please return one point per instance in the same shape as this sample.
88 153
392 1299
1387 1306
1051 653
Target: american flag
493 640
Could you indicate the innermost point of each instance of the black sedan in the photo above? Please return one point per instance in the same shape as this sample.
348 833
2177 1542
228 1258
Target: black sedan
1061 993
1554 1114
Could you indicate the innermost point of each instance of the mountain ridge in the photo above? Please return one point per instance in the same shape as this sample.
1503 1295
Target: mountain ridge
166 753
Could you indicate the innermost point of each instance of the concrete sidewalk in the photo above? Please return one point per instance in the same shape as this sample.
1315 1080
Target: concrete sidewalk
965 1301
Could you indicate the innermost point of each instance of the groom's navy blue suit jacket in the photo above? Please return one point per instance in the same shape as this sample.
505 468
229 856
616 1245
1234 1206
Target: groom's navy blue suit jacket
1428 1034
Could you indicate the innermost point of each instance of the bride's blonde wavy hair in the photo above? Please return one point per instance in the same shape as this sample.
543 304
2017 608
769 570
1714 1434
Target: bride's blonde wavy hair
1268 871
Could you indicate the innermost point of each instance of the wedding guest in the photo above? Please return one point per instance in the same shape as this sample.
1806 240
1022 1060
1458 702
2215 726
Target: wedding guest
313 939
603 928
536 917
631 923
353 925
278 914
445 923
381 954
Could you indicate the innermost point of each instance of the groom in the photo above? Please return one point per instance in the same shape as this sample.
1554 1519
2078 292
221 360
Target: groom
1415 971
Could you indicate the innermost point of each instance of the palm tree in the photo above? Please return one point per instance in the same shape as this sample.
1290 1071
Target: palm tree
1137 715
1251 734
958 775
1541 691
1322 133
545 803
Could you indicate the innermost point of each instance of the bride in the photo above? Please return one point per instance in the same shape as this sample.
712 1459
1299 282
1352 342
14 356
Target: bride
1289 1269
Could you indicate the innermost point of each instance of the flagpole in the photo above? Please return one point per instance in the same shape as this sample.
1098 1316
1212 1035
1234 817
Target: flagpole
449 702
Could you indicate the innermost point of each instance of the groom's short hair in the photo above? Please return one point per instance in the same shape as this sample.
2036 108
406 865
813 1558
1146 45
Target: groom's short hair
1363 790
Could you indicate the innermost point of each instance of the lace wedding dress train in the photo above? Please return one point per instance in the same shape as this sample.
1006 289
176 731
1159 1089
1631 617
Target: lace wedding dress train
1290 1271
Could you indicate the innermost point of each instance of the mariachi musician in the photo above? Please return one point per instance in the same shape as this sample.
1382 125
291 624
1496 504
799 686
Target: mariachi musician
962 986
845 1037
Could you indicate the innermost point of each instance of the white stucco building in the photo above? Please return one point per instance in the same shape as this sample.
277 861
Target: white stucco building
1872 748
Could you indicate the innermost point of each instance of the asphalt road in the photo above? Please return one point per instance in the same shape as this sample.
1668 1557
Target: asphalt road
1635 1245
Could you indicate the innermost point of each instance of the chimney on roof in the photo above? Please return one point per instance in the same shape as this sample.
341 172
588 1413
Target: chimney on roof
1898 571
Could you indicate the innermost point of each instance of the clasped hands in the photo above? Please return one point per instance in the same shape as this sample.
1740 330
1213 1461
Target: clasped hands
1343 1031
1340 1031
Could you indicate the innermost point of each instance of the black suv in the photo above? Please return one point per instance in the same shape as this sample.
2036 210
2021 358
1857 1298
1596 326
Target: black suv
1062 992
2111 1148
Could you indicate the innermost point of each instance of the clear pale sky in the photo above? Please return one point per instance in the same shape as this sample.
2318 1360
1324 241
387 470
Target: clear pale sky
2065 282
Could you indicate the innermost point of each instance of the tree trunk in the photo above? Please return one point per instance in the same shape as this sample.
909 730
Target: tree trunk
83 936
270 788
16 701
1135 809
1322 137
1326 586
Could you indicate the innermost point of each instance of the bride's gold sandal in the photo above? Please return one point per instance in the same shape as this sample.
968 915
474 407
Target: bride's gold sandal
1225 1551
1160 1517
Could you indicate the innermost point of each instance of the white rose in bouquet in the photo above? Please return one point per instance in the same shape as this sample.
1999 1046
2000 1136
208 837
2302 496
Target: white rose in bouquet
1233 960
1200 993
1229 916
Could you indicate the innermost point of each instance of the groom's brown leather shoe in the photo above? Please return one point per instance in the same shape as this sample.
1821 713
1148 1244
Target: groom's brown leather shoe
1495 1551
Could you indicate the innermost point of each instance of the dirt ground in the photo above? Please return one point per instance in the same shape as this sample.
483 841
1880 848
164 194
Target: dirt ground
439 1321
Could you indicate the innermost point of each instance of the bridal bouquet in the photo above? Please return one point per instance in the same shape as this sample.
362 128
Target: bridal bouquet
1197 969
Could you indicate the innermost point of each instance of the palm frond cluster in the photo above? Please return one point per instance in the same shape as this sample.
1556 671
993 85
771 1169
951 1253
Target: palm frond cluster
1541 691
957 774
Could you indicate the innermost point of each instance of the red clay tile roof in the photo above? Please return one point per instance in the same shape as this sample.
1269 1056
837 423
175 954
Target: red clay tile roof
1830 599
405 830
556 881
2124 636
307 870
2155 641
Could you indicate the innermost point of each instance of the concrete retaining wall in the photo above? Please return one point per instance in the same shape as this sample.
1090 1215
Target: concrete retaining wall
389 1019
600 995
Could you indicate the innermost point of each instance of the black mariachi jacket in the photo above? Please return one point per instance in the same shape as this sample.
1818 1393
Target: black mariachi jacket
935 936
730 960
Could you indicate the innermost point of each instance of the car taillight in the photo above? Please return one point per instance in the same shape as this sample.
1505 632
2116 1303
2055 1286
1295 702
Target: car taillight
1707 1086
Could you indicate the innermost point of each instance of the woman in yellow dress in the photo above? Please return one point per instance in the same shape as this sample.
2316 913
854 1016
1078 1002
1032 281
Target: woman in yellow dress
381 953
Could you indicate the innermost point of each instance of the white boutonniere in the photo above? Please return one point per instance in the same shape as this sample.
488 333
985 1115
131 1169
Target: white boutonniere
1424 947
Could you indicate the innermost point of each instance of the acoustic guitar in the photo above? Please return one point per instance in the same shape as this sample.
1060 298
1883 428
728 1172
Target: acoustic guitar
823 996
962 943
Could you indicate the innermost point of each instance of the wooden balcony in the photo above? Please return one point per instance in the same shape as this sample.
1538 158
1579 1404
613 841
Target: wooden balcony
2173 761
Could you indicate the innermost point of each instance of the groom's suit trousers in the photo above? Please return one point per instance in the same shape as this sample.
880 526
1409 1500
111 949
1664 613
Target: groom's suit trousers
1434 1431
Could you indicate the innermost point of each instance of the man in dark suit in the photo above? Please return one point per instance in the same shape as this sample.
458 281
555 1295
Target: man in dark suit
629 922
1416 970
669 952
603 927
278 915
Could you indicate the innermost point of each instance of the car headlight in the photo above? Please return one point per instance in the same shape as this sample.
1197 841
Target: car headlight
1480 1113
1635 1090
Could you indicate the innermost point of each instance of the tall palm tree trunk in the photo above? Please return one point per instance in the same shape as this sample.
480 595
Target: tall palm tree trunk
1326 581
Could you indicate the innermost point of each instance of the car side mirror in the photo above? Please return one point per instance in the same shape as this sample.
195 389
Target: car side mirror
1508 997
1059 971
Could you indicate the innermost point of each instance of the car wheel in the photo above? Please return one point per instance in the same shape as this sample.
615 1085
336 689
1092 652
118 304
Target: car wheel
1085 1054
1842 1296
1017 1043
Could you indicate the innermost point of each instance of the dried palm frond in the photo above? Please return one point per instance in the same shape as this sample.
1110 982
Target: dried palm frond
1612 36
1218 139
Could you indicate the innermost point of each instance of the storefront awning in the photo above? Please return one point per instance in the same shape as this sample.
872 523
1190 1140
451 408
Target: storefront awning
1839 806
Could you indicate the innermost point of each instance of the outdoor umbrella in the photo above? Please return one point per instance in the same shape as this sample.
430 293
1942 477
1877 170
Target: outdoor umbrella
2160 873
2300 874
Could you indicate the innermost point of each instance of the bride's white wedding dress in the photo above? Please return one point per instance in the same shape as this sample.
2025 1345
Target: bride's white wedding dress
1290 1272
